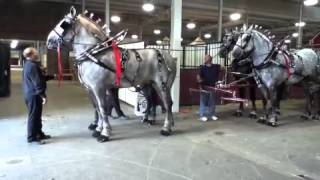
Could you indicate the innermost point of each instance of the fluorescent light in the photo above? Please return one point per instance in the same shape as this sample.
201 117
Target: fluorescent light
235 16
115 19
148 7
295 34
134 36
287 41
159 42
207 36
14 44
310 2
300 24
157 31
191 25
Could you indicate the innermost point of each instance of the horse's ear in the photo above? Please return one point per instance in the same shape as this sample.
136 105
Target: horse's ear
73 11
244 27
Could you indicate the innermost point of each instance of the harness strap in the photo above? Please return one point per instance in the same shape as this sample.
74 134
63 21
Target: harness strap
118 63
60 76
288 67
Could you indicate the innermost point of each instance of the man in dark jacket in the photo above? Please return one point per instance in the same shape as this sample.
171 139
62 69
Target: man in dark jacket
34 91
208 76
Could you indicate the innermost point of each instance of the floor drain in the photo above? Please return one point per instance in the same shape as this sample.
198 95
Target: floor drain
14 161
219 133
305 177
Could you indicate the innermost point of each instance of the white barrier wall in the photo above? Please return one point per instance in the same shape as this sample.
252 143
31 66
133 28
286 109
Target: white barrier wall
125 94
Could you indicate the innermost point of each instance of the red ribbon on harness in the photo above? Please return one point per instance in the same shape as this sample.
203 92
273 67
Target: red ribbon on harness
116 52
286 58
60 77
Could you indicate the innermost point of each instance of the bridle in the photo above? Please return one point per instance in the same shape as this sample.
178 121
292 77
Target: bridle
247 40
71 23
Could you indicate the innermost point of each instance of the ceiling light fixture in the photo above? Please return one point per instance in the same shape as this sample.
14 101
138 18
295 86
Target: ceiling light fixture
134 36
207 36
235 16
191 25
115 19
300 24
287 41
157 31
310 2
14 44
148 7
295 35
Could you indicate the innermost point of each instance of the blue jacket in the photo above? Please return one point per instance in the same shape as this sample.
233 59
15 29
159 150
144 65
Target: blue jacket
33 81
209 74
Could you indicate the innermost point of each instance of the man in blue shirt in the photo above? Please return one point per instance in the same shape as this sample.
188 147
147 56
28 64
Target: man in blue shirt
208 76
34 91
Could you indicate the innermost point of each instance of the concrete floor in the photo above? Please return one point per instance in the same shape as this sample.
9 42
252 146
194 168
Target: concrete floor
228 149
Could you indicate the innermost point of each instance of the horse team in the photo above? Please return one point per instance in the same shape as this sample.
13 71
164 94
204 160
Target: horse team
253 51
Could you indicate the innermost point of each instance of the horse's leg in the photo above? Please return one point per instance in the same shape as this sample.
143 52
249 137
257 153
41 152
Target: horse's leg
94 124
164 93
242 92
153 104
272 120
307 114
147 94
252 91
104 127
264 92
280 91
317 104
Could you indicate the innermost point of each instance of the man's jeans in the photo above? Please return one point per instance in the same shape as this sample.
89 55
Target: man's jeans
207 100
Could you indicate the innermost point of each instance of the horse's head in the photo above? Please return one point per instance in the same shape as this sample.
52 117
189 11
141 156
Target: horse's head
77 31
229 40
64 31
244 45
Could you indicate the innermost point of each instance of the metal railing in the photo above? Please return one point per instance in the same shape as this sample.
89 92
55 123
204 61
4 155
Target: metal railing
193 56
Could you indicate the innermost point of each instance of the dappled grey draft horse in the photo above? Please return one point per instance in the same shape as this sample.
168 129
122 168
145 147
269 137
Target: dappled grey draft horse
229 40
96 73
274 66
244 66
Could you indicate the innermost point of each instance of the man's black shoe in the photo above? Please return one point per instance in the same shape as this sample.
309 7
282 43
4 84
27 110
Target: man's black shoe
43 136
37 141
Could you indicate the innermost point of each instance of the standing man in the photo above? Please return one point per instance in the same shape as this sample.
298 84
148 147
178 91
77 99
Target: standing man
34 91
208 75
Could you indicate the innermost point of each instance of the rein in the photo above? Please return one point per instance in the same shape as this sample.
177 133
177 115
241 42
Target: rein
60 68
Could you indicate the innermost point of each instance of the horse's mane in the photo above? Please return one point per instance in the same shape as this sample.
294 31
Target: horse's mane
265 32
92 26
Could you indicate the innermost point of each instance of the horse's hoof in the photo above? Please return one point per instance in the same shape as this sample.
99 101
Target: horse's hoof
272 124
102 139
262 120
96 134
253 115
144 120
165 132
316 117
237 114
305 117
92 127
151 122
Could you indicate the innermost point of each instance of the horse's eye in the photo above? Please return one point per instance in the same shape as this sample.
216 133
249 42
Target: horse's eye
247 38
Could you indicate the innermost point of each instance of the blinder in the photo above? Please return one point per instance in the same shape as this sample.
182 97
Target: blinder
60 30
